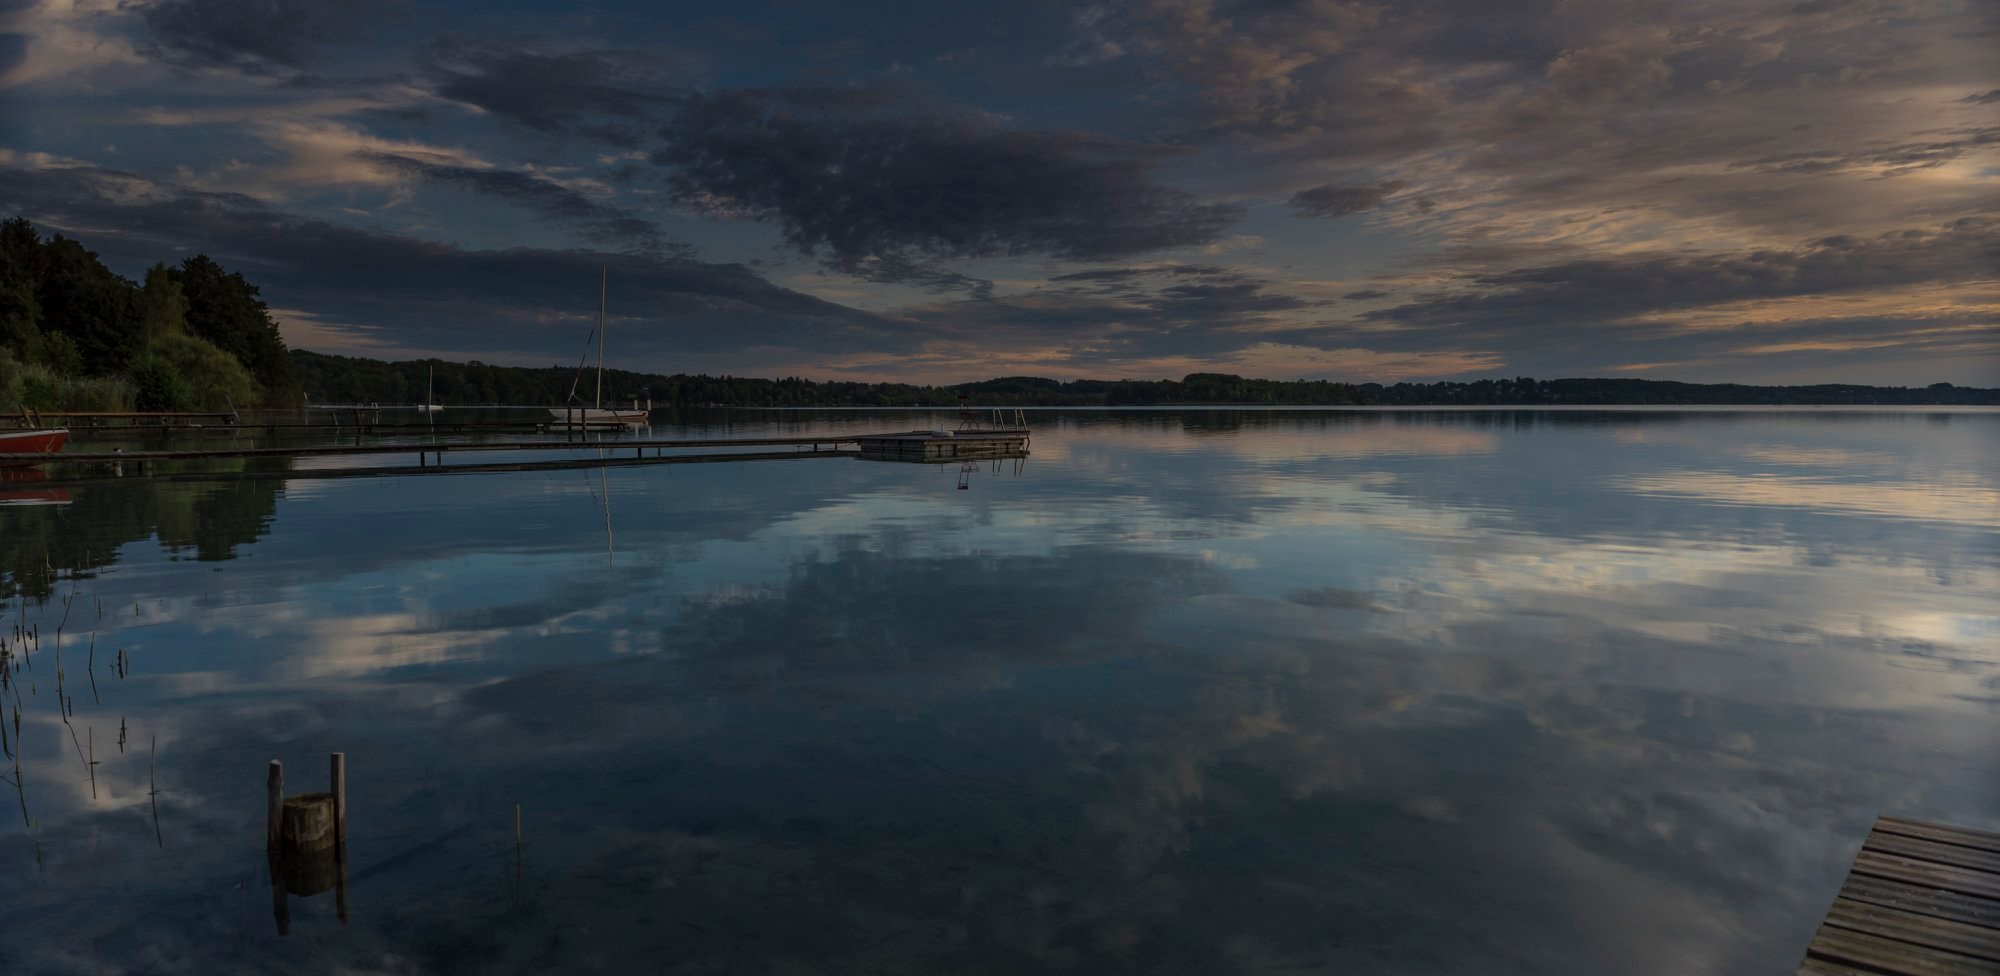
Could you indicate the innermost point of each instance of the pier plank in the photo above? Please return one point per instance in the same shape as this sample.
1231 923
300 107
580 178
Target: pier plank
1916 849
1873 953
1928 873
1977 839
1930 901
1916 928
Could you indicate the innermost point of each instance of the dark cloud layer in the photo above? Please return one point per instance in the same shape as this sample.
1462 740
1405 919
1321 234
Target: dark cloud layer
862 187
1608 288
550 90
1106 318
1339 201
518 302
255 36
594 221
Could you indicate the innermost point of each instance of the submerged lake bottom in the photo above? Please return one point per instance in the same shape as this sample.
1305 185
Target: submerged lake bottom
1182 691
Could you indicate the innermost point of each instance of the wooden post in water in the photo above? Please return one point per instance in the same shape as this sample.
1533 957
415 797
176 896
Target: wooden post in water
339 790
276 809
279 909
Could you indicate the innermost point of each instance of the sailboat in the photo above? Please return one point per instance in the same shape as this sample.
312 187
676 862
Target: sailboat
430 404
600 415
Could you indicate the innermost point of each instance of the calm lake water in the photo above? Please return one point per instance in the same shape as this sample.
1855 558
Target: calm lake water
1183 692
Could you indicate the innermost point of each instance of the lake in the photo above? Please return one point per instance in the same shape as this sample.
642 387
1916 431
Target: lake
1202 691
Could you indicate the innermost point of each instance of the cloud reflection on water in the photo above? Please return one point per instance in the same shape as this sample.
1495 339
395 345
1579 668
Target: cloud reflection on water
1230 692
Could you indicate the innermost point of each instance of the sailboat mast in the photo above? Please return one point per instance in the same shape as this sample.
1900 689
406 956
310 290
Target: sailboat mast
600 335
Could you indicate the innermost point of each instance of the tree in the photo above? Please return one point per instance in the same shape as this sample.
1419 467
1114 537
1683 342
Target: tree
58 352
214 380
20 310
160 386
82 299
20 314
225 309
163 305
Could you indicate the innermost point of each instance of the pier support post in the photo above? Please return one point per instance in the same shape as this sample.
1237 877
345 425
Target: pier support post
279 909
339 790
276 810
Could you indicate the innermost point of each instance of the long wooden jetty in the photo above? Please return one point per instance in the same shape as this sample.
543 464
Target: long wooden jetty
910 446
1922 898
424 451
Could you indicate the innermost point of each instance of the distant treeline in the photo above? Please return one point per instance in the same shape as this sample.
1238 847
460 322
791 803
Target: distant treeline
343 379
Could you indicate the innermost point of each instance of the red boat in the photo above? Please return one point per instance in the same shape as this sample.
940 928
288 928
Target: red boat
30 442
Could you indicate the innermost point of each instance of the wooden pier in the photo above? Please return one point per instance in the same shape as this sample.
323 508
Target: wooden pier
945 445
429 456
96 418
430 453
1922 898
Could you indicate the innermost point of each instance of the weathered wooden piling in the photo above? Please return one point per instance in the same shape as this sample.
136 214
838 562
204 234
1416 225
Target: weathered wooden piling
307 842
308 823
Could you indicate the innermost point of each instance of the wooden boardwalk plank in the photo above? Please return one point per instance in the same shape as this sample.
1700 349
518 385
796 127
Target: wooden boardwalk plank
1917 929
1929 901
1902 845
1874 953
1938 832
1927 873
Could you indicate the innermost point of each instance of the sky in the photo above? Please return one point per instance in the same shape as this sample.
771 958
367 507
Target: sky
1726 191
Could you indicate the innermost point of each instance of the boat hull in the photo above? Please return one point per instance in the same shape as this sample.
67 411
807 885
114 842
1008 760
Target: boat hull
600 416
31 442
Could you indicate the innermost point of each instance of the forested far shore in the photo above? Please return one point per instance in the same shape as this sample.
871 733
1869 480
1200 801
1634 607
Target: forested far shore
345 379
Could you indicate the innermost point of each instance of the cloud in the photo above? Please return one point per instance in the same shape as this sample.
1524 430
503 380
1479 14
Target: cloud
56 40
520 305
551 90
259 37
1601 129
1880 307
1891 160
1143 321
1339 201
862 187
597 222
1562 295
